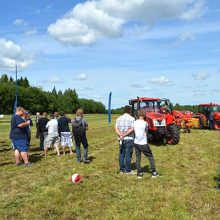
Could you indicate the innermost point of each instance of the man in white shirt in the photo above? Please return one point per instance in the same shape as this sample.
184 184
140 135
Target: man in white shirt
124 129
53 135
141 145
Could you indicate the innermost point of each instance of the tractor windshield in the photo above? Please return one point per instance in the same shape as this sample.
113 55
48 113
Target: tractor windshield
216 108
150 106
208 109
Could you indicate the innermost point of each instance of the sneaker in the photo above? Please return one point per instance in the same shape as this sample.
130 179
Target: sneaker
28 164
86 161
139 175
122 172
19 164
155 175
132 172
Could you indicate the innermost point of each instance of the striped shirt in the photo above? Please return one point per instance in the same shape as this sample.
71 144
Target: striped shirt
125 122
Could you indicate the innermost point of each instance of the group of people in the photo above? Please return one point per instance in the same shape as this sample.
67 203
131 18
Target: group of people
133 134
54 131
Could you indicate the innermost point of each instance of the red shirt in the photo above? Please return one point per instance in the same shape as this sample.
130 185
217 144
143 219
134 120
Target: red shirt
169 119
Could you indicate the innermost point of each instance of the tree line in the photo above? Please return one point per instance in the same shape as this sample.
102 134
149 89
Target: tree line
34 99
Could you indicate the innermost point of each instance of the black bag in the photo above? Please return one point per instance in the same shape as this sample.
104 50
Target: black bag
78 129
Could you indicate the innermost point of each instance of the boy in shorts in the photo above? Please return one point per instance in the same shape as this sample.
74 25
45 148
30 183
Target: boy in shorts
53 136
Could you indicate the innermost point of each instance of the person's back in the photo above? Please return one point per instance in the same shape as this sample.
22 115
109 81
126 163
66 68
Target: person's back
141 145
53 136
124 129
124 123
140 129
64 132
63 124
52 126
42 122
79 126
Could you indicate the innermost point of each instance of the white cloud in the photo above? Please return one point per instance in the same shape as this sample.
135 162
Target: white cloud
136 85
195 11
53 79
184 36
162 80
139 86
12 54
201 76
31 32
146 89
90 20
81 77
97 96
20 22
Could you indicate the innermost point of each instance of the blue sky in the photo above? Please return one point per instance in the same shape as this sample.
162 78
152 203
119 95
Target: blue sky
129 47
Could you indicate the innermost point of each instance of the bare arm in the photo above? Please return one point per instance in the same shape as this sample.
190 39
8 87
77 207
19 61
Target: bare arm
130 130
24 124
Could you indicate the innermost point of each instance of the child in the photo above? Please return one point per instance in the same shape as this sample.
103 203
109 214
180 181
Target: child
141 145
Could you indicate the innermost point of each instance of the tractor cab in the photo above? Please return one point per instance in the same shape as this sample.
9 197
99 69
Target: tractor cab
157 128
204 112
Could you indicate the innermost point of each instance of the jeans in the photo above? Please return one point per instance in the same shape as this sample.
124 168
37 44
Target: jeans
84 142
145 149
125 155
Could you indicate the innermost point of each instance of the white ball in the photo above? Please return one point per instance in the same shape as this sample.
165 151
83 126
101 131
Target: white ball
76 178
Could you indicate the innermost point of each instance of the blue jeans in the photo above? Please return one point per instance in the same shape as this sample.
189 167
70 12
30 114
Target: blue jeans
84 142
125 155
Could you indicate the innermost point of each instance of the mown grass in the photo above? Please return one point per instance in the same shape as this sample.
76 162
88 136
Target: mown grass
184 191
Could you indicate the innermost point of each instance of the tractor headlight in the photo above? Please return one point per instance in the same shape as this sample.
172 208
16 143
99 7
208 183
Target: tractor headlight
156 123
159 123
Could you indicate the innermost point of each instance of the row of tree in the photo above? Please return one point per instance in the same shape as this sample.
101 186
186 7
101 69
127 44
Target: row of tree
35 99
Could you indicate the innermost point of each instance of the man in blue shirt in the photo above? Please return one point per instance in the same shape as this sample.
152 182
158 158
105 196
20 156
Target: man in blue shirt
19 136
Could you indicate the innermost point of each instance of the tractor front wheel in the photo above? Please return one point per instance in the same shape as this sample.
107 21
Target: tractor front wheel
172 134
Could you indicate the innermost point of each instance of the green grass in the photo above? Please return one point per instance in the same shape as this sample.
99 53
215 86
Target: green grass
184 191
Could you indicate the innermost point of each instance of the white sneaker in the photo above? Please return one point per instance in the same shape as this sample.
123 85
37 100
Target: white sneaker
132 172
155 175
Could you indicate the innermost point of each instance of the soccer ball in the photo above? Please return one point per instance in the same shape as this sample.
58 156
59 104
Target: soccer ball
76 178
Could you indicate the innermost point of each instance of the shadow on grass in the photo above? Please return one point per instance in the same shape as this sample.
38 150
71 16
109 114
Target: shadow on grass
5 149
6 163
35 157
145 169
91 158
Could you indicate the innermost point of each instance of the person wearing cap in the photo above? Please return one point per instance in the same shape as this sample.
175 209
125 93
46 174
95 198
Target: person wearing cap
124 128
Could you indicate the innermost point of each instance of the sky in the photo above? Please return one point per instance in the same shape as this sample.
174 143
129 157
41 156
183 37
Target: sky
146 48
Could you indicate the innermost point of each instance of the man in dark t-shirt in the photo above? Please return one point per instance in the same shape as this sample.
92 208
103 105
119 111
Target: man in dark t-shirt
41 124
64 132
19 136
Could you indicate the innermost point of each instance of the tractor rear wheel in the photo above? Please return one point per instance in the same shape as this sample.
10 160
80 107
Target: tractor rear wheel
172 134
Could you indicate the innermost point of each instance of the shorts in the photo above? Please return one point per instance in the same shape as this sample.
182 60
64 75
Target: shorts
52 139
66 139
20 145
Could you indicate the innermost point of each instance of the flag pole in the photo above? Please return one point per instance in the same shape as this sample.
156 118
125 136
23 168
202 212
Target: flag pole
16 91
109 108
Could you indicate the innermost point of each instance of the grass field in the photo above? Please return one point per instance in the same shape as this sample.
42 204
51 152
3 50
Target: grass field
43 191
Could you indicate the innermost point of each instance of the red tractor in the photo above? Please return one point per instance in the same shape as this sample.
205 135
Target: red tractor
183 119
157 127
204 115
